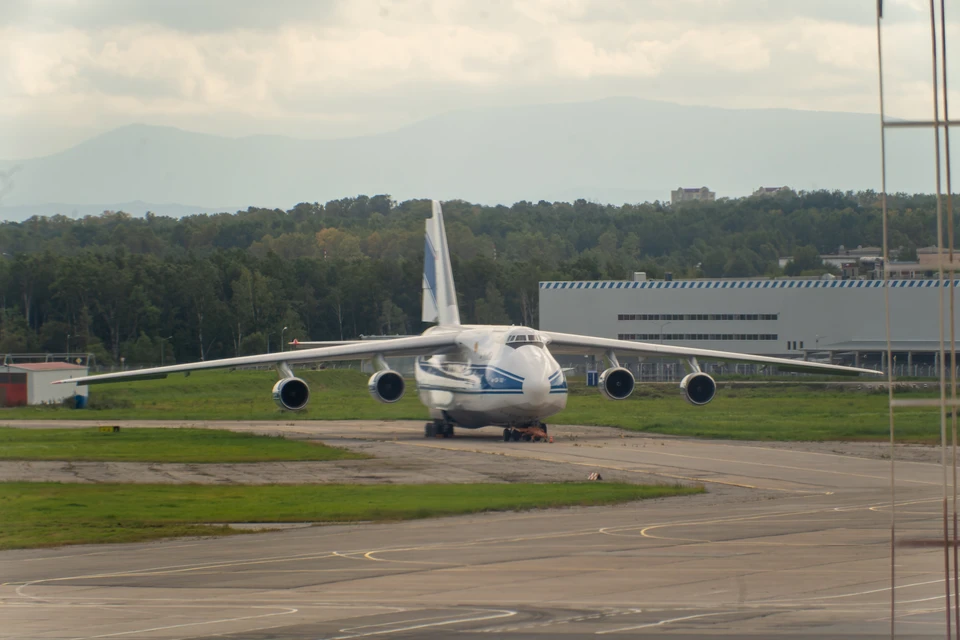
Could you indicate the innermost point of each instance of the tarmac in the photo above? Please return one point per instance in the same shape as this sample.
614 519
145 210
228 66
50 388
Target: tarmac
788 542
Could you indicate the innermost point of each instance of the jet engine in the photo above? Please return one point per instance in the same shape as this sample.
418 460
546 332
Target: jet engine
291 394
698 388
616 383
386 386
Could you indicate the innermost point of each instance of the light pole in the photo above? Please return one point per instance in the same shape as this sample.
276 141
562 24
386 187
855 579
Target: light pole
281 338
68 347
662 325
663 367
162 349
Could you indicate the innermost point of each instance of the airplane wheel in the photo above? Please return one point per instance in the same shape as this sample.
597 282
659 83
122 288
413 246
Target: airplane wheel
515 435
544 427
536 438
430 430
526 437
447 430
507 435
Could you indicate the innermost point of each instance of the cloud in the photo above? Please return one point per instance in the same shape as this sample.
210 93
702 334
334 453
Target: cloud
339 67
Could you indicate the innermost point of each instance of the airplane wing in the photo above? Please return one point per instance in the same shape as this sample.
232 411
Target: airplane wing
414 346
571 344
310 344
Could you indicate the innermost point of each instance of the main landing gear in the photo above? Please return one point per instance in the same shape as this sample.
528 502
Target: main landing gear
438 428
530 433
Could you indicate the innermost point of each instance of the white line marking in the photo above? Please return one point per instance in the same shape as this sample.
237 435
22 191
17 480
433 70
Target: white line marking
501 613
395 622
663 622
188 624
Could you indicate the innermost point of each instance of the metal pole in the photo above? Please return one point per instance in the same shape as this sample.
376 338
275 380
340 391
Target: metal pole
953 338
886 294
162 348
943 373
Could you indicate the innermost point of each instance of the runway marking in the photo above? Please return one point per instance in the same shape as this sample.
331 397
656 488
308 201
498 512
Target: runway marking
159 571
396 622
644 528
868 592
288 611
618 531
559 621
97 553
663 622
500 613
602 465
781 466
369 556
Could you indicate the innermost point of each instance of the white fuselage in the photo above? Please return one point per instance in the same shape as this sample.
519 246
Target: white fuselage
492 378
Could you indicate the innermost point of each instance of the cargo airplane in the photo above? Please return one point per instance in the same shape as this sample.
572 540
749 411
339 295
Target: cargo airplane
473 376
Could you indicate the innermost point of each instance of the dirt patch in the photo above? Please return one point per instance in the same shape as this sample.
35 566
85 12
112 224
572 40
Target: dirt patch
395 461
392 464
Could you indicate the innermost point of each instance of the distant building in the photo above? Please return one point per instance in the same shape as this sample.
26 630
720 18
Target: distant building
687 194
841 321
769 191
866 256
32 383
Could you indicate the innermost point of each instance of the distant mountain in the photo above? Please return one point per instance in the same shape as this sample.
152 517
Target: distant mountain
614 150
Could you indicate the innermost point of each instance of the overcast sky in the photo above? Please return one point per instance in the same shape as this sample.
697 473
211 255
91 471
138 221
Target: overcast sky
70 69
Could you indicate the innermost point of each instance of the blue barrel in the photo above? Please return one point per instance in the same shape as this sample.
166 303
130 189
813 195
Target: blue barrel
592 378
80 402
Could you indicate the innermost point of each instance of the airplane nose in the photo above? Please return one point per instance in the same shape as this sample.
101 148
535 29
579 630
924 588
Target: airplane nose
536 389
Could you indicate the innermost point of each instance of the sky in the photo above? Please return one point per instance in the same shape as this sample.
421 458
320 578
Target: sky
70 69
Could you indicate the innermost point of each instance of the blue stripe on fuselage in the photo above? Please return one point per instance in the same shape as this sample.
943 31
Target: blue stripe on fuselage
481 377
474 392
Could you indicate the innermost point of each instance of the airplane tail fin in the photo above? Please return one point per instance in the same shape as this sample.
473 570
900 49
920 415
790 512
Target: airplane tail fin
439 294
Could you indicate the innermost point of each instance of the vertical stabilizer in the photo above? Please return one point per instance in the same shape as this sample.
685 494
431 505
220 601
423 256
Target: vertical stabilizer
439 294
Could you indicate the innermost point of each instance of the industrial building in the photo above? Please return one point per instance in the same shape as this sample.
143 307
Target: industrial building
32 383
684 194
841 321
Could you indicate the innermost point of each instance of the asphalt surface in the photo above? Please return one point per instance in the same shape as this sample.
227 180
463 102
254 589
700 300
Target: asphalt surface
787 543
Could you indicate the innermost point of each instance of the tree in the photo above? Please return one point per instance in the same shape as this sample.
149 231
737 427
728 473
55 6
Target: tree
804 259
490 309
335 244
908 254
714 263
740 265
392 319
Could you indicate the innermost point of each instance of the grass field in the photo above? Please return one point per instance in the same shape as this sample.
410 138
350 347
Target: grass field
49 514
760 413
771 412
159 445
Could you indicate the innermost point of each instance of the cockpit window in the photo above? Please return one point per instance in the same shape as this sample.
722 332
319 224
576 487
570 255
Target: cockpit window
522 339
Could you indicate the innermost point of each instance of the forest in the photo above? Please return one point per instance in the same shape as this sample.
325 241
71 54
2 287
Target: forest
151 289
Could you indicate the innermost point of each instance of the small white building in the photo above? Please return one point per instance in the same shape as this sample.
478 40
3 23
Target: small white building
32 383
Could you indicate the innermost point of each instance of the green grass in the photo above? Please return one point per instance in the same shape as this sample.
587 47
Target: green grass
49 514
335 394
159 445
770 412
761 413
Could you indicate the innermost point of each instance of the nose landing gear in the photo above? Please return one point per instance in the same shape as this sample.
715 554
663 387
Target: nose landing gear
530 433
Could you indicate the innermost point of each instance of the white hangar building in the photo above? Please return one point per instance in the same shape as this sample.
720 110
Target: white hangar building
32 383
838 320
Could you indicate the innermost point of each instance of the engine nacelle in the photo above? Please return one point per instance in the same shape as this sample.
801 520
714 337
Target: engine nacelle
698 388
386 386
291 394
616 383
